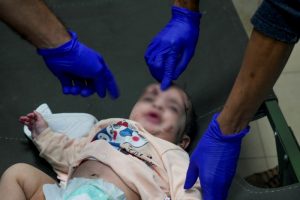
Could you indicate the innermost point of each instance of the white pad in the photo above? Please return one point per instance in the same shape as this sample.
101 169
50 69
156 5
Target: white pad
74 125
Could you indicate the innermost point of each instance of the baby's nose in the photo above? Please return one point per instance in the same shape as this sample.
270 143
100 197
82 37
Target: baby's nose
159 104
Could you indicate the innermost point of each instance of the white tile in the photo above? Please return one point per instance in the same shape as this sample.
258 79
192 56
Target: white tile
293 64
272 162
249 166
267 137
245 10
252 146
288 93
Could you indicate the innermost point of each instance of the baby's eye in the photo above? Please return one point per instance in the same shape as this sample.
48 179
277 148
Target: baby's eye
173 108
148 99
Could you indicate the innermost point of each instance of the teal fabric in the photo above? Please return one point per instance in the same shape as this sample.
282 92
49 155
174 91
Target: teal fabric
84 189
88 192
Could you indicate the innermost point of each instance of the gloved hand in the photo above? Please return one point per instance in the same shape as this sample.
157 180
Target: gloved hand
171 50
214 161
80 69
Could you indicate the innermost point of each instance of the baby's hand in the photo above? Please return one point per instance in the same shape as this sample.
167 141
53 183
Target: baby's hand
35 122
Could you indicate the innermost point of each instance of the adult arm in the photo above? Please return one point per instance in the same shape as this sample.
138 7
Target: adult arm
170 51
79 69
215 158
192 5
264 61
35 22
276 30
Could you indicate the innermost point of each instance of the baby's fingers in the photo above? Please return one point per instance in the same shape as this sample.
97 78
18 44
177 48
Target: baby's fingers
32 115
24 119
37 115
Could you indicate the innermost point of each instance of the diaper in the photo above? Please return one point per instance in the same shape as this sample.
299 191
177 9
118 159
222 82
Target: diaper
83 189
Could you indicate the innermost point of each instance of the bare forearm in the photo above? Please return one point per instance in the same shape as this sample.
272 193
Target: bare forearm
263 62
33 20
189 4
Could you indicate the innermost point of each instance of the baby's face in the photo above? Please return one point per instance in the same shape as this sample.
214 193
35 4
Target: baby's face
162 113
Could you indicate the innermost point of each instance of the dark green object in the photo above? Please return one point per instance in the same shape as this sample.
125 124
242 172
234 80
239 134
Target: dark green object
287 146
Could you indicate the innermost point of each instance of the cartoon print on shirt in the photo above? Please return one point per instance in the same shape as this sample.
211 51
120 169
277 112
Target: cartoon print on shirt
119 133
103 136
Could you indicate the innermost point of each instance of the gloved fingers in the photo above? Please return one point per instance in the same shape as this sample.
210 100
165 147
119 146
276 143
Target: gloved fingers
169 66
100 78
155 63
88 89
78 84
157 73
111 84
182 64
158 69
66 83
100 85
166 82
191 175
151 47
158 61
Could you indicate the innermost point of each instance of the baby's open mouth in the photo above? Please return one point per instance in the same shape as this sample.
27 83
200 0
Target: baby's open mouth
153 117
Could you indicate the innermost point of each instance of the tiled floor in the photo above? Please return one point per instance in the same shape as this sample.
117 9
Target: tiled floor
258 149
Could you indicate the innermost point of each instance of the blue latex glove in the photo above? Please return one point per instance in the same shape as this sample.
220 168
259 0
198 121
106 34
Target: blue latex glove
172 49
214 161
80 69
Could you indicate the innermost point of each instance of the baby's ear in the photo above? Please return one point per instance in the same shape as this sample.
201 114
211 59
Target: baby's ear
185 141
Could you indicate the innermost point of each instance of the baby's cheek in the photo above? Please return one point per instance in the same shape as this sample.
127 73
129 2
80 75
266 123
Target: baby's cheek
170 131
169 128
133 116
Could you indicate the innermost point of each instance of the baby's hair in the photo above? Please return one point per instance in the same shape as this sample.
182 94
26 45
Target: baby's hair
191 125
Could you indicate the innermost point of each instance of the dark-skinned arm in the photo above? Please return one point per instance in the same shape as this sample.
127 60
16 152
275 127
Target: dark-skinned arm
215 158
189 4
80 70
263 62
34 21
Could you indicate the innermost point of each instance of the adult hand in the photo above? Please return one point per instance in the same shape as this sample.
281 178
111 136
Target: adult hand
214 161
80 69
171 50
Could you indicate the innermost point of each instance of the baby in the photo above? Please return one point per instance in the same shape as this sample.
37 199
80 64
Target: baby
139 158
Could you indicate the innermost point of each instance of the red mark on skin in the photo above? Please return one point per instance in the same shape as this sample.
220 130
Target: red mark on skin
115 135
22 120
135 138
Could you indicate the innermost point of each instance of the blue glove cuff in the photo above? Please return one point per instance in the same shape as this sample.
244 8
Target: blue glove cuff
217 133
186 14
66 47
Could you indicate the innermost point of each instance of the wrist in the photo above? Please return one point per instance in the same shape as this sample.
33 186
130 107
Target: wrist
234 134
62 48
192 5
48 39
56 40
39 133
185 14
231 124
